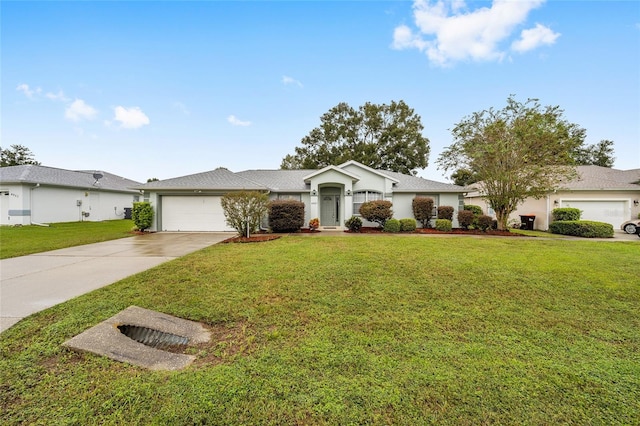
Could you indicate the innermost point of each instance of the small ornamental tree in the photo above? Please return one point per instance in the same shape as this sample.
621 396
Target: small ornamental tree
286 215
423 210
378 211
142 215
244 210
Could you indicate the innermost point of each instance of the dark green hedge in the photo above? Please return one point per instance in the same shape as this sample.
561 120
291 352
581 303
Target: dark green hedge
582 228
392 225
286 215
566 213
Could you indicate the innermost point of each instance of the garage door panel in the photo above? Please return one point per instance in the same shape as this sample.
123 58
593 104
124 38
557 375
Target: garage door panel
612 212
193 213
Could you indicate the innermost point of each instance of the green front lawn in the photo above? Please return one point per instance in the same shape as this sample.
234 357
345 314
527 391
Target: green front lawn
371 329
23 240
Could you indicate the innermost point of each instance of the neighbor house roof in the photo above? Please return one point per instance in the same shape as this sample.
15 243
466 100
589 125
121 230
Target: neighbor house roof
287 181
599 178
85 179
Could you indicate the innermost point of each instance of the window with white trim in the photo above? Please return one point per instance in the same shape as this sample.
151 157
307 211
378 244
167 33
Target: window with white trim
360 197
295 197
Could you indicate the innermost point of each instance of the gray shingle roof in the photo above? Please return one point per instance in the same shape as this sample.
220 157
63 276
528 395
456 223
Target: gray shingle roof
599 178
282 181
279 180
33 174
407 183
218 179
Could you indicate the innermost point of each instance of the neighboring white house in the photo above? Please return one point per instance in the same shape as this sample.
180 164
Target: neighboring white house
38 194
601 193
332 194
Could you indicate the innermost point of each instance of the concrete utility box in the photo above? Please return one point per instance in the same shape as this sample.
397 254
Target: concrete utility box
526 222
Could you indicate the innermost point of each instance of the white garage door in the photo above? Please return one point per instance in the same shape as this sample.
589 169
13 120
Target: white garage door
193 213
612 212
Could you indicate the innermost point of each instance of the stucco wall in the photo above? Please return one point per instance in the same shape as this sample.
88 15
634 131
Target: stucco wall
46 204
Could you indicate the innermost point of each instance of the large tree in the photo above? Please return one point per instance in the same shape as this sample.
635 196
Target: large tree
16 155
523 150
383 136
600 154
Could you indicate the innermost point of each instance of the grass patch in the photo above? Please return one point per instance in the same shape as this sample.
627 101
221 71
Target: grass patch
355 330
23 240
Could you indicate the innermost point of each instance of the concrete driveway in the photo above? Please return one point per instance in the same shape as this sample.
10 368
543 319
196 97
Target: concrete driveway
29 284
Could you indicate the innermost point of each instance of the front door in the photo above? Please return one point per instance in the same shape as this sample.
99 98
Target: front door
329 210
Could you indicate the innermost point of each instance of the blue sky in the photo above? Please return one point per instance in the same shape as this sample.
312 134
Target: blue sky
165 89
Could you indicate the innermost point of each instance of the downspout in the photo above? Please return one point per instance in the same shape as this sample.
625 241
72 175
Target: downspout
31 207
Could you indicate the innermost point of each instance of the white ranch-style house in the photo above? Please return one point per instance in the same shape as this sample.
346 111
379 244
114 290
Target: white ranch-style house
32 194
332 194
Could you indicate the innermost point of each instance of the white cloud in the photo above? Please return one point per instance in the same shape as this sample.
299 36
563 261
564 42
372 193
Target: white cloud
534 37
237 122
28 92
79 110
130 118
286 80
57 96
448 32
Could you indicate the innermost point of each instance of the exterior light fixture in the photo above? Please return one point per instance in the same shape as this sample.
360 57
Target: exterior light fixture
556 202
635 203
314 192
349 193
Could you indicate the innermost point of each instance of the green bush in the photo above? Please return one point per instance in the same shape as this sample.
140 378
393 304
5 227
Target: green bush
423 210
485 222
476 210
142 215
378 211
582 228
465 218
445 212
244 210
286 215
566 213
443 225
407 225
392 225
354 223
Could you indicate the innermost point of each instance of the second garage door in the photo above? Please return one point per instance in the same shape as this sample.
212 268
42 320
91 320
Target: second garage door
193 213
601 211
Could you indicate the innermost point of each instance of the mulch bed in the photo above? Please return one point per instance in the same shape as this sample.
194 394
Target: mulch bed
255 238
456 231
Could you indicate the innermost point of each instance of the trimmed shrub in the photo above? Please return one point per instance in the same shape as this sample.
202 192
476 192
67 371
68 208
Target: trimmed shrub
286 215
443 225
465 218
476 210
407 225
566 213
485 222
392 225
423 210
354 223
244 210
445 212
582 228
378 211
142 215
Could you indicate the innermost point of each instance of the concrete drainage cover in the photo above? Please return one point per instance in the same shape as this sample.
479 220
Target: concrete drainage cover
138 336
